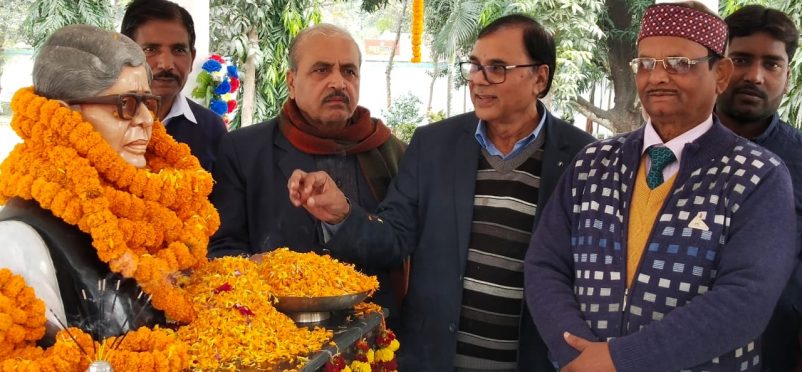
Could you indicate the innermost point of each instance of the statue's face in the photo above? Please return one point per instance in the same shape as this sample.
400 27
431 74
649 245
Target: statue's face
128 137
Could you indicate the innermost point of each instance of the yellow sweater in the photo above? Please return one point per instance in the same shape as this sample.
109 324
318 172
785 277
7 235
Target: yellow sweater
645 205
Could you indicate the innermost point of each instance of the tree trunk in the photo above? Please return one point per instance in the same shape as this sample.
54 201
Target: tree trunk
625 115
388 72
450 84
435 74
249 81
450 92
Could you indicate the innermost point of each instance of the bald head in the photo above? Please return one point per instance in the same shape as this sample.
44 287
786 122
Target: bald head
323 29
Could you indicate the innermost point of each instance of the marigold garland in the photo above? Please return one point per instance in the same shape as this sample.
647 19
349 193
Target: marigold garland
147 224
22 314
308 274
22 323
237 326
417 29
143 350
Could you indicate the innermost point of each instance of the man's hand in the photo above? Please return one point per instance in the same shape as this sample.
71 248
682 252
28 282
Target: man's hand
318 194
593 356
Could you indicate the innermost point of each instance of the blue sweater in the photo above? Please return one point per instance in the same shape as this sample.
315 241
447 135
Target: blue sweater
781 339
702 293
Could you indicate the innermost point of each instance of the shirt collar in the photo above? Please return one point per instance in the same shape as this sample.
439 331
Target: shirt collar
773 125
180 107
651 138
485 143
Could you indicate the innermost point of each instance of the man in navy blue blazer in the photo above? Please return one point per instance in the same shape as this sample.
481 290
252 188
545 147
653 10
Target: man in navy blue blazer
166 33
320 127
463 206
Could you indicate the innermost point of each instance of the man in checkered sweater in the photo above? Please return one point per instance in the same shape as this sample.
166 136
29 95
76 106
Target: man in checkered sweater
666 248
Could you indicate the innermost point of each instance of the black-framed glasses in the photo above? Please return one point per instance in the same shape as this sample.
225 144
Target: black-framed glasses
127 103
672 65
494 74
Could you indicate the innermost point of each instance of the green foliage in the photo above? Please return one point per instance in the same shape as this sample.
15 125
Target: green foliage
404 132
11 26
204 88
371 6
434 117
573 23
404 116
11 19
46 16
404 110
276 23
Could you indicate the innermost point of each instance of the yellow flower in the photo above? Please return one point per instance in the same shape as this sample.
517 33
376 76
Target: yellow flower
370 354
385 354
394 345
357 366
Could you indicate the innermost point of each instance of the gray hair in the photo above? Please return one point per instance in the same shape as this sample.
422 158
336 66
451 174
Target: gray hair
80 61
326 29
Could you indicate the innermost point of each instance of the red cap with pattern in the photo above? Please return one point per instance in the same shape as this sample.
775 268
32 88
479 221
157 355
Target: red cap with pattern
688 23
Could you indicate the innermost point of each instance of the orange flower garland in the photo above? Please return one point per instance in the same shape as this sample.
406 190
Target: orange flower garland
417 29
22 315
149 350
144 350
22 323
147 224
310 275
237 326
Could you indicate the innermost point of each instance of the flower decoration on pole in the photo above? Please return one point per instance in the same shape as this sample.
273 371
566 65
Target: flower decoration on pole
218 83
417 29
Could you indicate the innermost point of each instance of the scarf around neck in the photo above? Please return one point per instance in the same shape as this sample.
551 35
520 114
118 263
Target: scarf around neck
361 134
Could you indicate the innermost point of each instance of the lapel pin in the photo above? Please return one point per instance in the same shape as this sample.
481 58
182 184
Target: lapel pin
698 222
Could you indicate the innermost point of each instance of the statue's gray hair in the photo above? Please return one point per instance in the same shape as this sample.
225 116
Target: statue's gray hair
80 61
324 29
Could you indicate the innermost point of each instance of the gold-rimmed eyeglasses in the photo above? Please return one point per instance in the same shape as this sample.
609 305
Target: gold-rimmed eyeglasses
672 65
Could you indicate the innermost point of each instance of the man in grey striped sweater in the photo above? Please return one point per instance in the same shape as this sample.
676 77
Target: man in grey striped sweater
462 207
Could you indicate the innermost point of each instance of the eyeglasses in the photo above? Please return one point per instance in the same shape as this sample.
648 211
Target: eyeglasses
127 103
672 65
494 74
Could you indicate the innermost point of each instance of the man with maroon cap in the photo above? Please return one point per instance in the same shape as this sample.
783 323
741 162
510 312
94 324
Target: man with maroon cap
666 248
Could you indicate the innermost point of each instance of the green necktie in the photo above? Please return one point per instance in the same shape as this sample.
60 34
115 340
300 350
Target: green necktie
661 158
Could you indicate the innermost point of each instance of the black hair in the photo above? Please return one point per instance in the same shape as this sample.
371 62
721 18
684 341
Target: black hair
538 42
139 12
752 19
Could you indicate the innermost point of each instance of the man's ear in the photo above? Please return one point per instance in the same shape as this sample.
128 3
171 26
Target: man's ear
541 80
724 70
193 54
787 87
291 84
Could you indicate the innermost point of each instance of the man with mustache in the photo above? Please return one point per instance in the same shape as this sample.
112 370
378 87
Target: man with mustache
320 127
166 33
465 201
666 248
762 43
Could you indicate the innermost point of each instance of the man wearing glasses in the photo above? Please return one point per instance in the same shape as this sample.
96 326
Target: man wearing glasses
666 248
463 206
762 43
